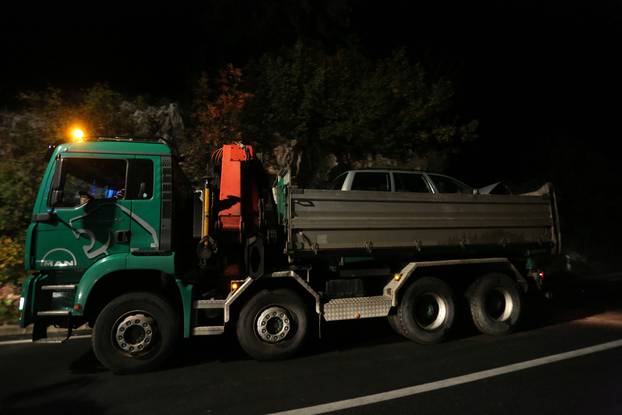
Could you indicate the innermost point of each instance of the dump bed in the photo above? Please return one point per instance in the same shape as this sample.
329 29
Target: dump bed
329 222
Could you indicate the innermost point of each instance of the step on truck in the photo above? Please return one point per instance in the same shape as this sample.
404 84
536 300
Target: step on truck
121 241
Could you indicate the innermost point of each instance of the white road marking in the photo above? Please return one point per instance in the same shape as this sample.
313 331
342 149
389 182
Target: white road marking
446 383
24 341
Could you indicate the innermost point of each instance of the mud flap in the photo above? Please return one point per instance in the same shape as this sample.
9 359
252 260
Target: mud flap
40 331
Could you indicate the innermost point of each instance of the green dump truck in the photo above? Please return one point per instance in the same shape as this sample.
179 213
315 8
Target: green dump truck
121 241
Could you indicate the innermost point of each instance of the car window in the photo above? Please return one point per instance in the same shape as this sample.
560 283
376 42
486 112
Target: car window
411 182
337 184
376 181
446 184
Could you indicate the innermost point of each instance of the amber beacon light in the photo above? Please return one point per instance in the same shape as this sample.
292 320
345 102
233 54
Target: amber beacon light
77 134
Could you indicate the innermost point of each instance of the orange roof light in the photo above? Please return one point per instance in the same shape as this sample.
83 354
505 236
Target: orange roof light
77 134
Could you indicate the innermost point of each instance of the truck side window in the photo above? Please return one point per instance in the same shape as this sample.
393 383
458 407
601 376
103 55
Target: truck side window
376 181
446 185
140 179
411 182
90 178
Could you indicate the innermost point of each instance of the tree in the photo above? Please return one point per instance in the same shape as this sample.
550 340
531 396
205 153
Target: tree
350 104
217 109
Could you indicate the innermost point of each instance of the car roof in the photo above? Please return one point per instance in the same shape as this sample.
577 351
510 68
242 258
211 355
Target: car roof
404 171
393 170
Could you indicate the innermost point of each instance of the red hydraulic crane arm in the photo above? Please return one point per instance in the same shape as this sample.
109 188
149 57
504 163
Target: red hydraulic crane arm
236 191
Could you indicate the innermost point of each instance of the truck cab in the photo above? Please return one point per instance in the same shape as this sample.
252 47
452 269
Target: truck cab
103 206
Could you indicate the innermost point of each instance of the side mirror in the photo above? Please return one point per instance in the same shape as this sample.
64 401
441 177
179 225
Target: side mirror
55 197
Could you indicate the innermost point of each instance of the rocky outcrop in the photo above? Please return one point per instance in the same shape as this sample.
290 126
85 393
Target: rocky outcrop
145 121
316 167
163 121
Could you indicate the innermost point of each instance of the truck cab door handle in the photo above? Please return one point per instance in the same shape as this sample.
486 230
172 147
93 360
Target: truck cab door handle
122 236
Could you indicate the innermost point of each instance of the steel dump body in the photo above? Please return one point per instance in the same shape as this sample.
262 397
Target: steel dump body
419 224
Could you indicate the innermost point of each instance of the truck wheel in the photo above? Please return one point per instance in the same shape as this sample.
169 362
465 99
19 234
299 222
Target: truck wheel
135 332
394 322
495 304
273 325
426 312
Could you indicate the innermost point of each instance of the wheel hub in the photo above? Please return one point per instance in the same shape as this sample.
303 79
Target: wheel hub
499 304
134 333
430 311
273 324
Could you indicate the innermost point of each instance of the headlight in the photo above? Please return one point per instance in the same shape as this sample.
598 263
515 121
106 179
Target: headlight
22 300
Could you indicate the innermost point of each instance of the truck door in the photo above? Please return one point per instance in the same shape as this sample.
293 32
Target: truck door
90 219
144 192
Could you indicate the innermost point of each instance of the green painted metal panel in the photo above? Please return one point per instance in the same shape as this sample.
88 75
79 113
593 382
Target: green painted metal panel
281 199
98 270
119 262
162 263
145 215
28 246
185 292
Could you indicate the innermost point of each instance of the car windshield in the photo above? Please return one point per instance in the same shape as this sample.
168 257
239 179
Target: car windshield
337 184
446 184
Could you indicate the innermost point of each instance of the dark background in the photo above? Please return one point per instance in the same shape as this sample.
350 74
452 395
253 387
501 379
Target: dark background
542 78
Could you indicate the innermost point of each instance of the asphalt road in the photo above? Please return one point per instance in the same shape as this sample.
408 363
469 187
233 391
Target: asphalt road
362 362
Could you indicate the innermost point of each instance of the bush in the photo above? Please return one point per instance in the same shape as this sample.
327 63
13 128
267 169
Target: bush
11 277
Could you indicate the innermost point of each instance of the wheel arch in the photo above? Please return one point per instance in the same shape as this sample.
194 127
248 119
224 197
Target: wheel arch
95 293
285 280
447 271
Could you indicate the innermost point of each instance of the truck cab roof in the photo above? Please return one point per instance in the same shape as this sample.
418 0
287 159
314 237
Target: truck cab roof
117 146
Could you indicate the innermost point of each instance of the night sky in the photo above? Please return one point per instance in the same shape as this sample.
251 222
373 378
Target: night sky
518 67
543 78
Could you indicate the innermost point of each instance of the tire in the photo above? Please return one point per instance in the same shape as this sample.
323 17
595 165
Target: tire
135 332
426 311
394 322
495 304
273 325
